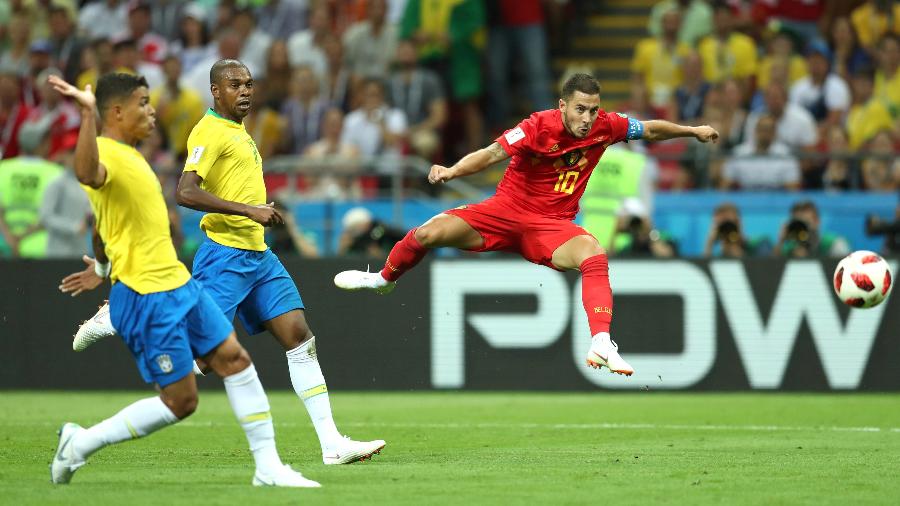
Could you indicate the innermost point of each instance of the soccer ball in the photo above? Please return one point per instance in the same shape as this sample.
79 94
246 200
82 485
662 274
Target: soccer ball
862 279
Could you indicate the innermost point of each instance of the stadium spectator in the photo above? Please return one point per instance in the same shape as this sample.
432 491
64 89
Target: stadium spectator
288 237
841 169
369 45
764 165
364 235
255 48
65 212
880 173
734 114
873 20
801 17
451 39
636 236
191 45
823 93
152 46
278 76
305 47
266 126
419 93
129 59
801 236
15 56
727 53
867 115
690 96
103 18
67 45
337 161
177 108
795 126
657 61
64 117
847 55
726 236
165 16
517 40
339 88
13 111
23 181
697 19
281 18
780 54
38 61
887 77
375 128
890 231
97 59
304 110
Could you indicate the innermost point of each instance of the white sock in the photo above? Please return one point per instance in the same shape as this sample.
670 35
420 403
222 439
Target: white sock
308 382
137 420
251 407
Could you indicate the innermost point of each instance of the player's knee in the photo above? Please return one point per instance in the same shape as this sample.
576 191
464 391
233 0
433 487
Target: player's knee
589 247
182 405
427 235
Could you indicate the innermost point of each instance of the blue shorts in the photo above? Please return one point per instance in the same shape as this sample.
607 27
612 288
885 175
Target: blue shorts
252 284
166 330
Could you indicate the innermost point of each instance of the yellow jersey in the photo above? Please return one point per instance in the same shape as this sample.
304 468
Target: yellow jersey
222 153
660 66
735 58
177 116
134 223
865 121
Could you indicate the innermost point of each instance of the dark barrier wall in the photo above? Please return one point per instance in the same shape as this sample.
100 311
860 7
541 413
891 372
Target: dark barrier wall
507 324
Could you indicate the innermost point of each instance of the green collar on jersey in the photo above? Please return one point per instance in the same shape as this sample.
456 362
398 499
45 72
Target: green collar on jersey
214 113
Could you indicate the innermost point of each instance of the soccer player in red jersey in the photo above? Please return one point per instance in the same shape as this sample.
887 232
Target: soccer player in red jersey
552 156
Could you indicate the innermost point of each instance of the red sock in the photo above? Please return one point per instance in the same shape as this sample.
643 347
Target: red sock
403 257
596 293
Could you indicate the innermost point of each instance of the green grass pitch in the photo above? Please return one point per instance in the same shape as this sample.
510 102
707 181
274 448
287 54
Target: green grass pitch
483 448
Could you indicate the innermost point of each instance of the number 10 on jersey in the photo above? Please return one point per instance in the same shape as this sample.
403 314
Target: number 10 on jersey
566 182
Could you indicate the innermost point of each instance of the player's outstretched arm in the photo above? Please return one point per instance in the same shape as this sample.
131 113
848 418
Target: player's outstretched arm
189 194
88 169
475 161
660 130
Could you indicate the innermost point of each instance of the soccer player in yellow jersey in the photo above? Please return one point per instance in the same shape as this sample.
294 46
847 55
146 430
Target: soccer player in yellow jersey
223 176
162 314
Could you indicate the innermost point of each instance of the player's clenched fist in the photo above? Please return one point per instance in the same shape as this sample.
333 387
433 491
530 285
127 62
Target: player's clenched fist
439 174
706 133
266 215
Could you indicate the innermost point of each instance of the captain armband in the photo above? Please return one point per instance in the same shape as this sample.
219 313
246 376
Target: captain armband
635 129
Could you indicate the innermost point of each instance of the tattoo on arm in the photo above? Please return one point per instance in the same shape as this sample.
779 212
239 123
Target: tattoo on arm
496 152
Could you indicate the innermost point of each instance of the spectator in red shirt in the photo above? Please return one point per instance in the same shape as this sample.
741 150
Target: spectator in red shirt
13 112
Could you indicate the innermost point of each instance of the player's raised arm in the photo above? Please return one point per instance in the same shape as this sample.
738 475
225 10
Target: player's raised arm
88 168
475 161
660 130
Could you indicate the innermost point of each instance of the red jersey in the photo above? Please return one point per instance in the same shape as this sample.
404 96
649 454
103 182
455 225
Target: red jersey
550 167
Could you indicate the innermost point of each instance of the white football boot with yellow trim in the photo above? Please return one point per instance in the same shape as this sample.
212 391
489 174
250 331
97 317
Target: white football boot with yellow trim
349 451
95 329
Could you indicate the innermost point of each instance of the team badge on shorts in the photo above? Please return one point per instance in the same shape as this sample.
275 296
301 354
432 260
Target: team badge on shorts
165 363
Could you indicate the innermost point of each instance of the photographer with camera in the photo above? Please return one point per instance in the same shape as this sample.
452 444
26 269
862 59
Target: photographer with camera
890 231
726 231
801 237
635 235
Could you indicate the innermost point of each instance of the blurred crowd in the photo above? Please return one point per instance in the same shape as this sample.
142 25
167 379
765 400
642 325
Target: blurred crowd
805 93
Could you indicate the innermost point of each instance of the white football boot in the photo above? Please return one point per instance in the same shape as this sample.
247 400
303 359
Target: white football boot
65 462
359 280
350 451
95 329
284 477
605 352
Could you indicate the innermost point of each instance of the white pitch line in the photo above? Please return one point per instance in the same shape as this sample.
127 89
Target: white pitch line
581 426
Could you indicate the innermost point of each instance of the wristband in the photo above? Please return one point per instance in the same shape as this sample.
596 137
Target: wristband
102 270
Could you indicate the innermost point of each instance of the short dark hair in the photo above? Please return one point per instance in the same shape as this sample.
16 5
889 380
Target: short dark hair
584 83
116 86
219 68
804 205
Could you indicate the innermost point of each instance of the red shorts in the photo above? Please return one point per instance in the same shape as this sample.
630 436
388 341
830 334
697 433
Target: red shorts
507 228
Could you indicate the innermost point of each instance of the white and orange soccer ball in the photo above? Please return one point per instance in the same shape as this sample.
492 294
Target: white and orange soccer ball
862 279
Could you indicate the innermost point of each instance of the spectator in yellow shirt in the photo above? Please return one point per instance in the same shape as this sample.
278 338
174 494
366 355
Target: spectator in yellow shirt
781 50
657 60
887 78
874 19
178 108
727 53
868 115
